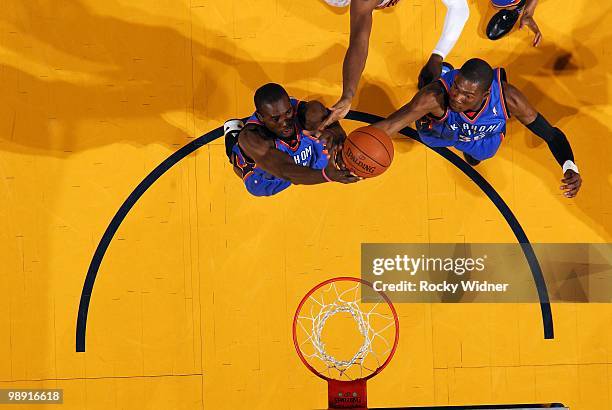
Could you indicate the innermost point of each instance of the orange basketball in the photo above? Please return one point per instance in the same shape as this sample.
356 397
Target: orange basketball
367 152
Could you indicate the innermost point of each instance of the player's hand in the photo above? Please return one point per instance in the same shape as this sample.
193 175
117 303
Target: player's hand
571 183
336 170
338 111
528 21
327 137
430 71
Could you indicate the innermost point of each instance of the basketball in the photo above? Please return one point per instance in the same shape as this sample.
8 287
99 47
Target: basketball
367 152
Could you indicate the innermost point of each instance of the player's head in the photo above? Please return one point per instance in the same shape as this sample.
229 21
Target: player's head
471 86
274 110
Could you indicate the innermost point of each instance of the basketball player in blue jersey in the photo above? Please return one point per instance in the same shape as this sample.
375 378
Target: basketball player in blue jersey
468 109
359 40
272 152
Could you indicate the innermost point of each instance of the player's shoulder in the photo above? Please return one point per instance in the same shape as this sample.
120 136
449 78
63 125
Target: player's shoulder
512 95
254 139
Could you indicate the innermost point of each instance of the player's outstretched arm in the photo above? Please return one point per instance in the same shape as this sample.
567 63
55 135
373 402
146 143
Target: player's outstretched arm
519 106
355 58
428 100
281 165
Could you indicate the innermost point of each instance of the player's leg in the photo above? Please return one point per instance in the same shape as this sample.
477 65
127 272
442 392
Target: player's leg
504 20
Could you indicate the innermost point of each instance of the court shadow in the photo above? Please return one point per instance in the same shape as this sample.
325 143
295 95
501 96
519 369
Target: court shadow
88 93
85 93
254 74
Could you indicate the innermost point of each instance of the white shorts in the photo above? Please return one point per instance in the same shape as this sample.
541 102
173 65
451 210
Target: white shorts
344 3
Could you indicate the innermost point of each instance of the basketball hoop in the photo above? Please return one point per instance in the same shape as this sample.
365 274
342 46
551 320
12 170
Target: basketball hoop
345 365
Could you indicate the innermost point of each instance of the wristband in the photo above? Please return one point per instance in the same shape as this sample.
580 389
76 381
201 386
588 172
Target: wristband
325 176
569 164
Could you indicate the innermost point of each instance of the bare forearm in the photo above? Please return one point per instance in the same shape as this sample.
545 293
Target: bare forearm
395 122
354 64
310 177
402 118
296 174
357 53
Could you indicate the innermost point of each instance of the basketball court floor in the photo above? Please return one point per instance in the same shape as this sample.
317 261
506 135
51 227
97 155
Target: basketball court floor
195 293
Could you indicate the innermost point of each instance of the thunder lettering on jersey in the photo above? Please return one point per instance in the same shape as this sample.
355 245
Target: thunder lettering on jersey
305 151
478 133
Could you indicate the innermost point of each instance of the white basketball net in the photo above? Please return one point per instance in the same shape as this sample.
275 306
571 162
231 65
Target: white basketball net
377 343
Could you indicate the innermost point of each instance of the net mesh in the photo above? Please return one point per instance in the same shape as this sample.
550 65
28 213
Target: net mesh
340 337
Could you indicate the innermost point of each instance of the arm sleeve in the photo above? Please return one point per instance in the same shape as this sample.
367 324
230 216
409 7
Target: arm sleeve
457 13
554 137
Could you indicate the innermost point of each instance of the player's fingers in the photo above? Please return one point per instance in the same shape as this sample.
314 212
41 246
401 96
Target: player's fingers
333 154
572 186
566 185
571 193
537 40
571 178
331 118
574 191
340 162
533 26
350 178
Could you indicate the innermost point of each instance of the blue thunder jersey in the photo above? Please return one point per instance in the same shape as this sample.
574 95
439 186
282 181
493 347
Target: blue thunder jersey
305 150
478 133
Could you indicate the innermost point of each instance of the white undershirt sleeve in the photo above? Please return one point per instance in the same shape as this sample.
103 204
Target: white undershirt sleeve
457 13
